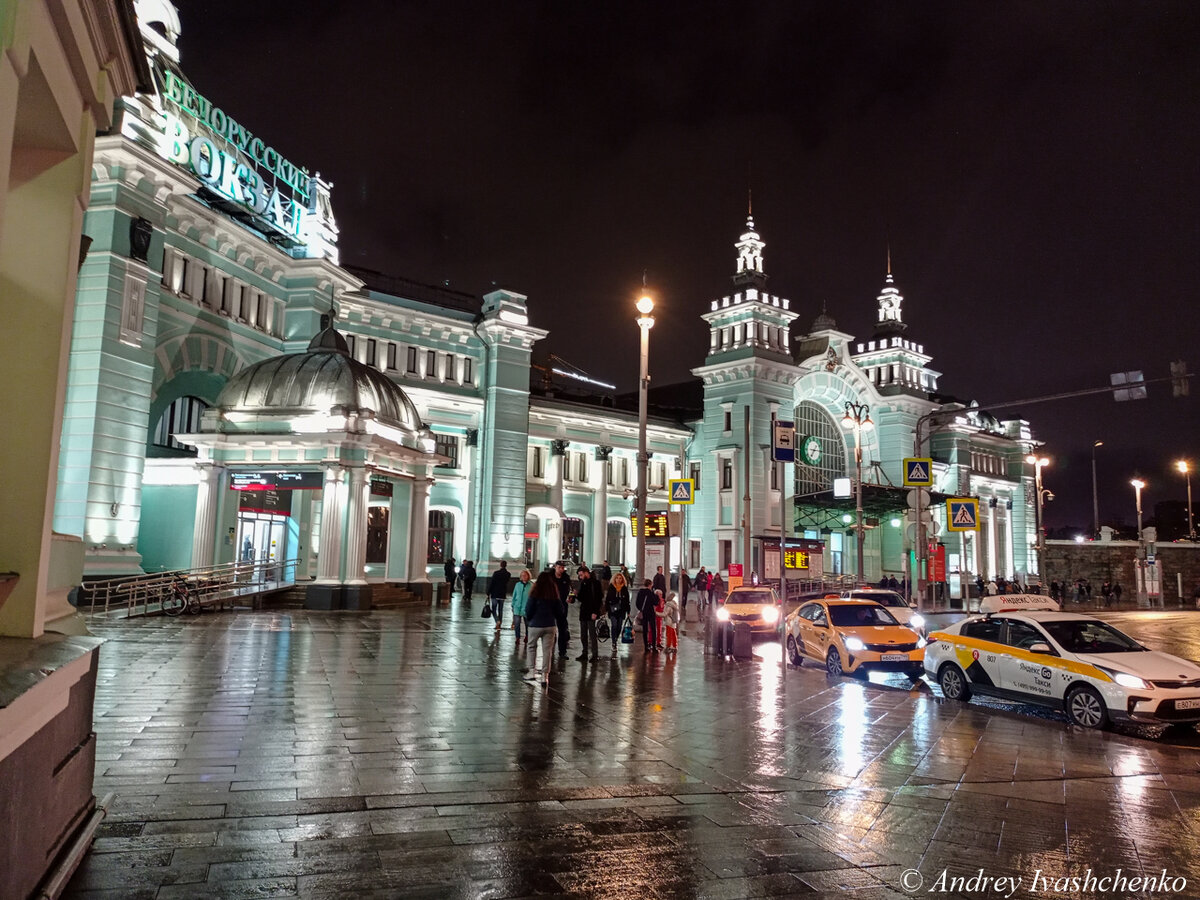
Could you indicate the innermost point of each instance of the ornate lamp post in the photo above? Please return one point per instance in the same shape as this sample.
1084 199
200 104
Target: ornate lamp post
645 306
1183 467
1095 496
858 419
1039 463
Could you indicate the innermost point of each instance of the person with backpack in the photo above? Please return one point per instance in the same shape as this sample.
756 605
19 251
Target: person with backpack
616 605
498 590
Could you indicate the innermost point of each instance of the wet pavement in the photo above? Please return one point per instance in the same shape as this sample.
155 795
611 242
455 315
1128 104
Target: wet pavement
400 754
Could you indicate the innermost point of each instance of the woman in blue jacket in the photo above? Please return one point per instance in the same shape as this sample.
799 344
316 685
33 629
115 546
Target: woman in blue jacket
520 599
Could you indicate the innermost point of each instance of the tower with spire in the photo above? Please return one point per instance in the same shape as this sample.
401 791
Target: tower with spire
893 362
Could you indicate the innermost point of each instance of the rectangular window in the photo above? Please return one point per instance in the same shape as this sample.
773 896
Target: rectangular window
726 555
728 420
539 462
370 360
581 467
352 343
410 365
694 474
431 364
450 367
565 462
625 471
693 554
262 311
726 474
391 357
446 445
441 536
467 373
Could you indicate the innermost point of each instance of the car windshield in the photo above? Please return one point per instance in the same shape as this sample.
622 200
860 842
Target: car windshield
855 616
750 596
1090 636
883 598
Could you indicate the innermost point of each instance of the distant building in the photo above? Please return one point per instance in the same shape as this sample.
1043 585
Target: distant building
234 391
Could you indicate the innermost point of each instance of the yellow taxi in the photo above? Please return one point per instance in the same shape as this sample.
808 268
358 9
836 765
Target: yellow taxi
851 636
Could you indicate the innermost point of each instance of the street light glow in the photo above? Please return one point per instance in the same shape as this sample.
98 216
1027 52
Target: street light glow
1182 466
1138 484
645 305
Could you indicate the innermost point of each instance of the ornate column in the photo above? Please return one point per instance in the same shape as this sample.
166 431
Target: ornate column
356 527
418 530
329 554
204 533
600 507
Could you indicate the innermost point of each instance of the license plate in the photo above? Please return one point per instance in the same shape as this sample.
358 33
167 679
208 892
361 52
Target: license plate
1193 703
903 657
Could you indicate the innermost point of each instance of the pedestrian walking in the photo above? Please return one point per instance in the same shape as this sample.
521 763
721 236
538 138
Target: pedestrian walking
660 580
646 602
449 572
711 587
520 602
700 582
542 612
467 573
616 605
685 585
1117 591
591 602
498 590
605 576
717 588
563 582
670 616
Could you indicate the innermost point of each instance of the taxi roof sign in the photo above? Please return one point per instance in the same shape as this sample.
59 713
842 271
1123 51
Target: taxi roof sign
998 603
918 472
962 514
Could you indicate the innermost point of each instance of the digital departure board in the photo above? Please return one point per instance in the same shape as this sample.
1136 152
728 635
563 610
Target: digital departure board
795 559
656 525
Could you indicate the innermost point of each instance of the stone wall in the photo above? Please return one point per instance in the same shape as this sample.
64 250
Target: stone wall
1100 561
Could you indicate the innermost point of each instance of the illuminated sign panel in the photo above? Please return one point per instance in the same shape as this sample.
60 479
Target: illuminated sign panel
795 559
656 525
276 481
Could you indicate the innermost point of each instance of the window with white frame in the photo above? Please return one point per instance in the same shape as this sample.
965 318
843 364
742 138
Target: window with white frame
468 374
431 364
410 360
537 461
446 445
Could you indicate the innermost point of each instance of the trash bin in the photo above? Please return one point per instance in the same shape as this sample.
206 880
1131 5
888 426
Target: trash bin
743 647
443 593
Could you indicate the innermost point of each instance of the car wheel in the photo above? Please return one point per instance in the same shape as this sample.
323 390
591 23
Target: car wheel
833 663
954 683
794 656
1085 707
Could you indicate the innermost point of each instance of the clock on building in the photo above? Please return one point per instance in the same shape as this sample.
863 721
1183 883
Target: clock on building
810 450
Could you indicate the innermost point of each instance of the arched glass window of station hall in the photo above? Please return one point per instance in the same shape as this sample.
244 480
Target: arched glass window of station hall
813 421
182 416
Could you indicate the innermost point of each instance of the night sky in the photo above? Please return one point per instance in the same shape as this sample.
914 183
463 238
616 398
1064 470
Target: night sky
1033 166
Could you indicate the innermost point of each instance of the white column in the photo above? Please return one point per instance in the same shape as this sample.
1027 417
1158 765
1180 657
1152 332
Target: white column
329 555
993 558
356 527
600 514
556 492
204 533
418 530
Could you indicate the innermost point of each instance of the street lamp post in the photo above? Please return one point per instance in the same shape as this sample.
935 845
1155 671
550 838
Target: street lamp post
858 418
1183 467
1039 463
1139 564
645 306
1095 496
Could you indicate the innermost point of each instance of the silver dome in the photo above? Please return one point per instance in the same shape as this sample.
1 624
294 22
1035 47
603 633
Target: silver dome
318 381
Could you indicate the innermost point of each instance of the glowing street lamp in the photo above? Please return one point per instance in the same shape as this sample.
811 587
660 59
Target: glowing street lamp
645 306
1140 562
1183 467
858 419
1095 496
1039 462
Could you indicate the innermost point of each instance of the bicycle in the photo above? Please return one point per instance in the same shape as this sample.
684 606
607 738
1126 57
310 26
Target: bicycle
180 597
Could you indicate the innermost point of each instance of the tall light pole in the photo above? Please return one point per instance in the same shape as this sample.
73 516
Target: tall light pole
1183 467
1038 463
1138 484
645 306
1095 496
1139 564
858 419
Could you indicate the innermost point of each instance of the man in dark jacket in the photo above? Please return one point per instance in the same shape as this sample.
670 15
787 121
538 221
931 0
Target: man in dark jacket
646 603
467 572
563 581
498 590
448 569
590 598
660 581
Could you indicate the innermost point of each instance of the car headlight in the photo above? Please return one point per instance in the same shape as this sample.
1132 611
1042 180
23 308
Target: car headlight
770 614
722 614
1125 679
921 643
917 621
853 643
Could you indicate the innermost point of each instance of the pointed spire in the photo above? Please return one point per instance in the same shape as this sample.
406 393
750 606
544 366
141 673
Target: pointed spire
889 300
750 248
889 259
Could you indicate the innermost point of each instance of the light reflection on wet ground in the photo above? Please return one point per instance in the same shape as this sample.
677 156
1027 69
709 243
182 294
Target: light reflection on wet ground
402 754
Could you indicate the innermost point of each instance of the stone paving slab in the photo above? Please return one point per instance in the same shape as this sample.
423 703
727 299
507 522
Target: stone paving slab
400 754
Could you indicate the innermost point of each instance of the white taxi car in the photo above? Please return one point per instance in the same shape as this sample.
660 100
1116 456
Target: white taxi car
1023 648
900 608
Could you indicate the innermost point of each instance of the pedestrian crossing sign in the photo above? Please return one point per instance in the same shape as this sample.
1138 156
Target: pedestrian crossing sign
683 490
962 514
918 473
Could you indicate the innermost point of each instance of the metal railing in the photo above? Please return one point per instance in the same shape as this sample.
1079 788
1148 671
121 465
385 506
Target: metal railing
207 586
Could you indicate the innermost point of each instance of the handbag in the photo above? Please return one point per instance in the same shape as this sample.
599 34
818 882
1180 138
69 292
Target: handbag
602 632
487 610
627 632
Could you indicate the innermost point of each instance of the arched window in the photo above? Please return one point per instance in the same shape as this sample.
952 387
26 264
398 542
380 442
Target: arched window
181 417
812 421
441 536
